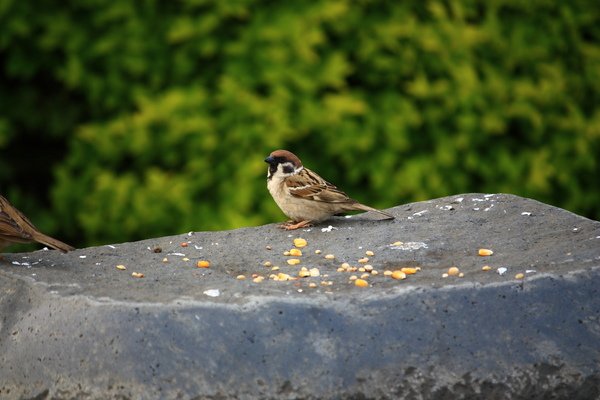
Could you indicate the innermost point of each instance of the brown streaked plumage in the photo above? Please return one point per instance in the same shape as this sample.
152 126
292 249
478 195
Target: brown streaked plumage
16 228
303 195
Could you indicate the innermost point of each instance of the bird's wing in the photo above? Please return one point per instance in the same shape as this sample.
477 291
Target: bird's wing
310 186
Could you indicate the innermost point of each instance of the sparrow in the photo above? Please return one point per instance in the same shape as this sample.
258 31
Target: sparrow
16 228
303 195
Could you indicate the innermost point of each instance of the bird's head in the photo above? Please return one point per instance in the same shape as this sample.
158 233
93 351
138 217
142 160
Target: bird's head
283 163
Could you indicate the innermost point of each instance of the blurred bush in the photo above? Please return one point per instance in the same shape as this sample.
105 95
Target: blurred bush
127 120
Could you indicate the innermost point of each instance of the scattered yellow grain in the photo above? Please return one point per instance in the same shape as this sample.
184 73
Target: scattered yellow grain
369 253
275 268
295 252
519 276
398 243
203 264
258 279
398 275
293 261
283 277
137 274
240 277
444 275
387 272
365 276
461 275
453 271
368 268
374 272
303 273
299 242
286 253
268 247
345 265
363 260
330 256
314 272
408 270
185 259
312 285
485 252
326 283
317 251
353 278
121 267
165 260
361 269
267 263
361 283
486 268
340 269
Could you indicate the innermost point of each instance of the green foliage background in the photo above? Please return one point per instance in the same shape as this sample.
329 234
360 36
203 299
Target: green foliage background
123 120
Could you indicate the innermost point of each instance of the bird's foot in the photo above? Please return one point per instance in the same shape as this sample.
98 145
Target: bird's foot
290 225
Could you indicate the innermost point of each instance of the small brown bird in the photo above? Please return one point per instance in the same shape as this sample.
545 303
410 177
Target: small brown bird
16 228
303 195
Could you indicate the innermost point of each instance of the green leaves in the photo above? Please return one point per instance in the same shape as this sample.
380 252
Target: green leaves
164 111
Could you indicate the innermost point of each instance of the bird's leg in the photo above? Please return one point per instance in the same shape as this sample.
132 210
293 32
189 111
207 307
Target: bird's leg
301 224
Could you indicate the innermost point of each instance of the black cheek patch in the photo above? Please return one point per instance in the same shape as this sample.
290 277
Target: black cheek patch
288 169
272 169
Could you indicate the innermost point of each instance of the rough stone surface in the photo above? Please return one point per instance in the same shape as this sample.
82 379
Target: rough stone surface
73 326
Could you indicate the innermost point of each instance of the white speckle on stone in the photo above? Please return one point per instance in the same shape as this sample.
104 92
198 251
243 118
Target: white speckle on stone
111 246
597 237
476 209
488 209
212 292
446 208
97 264
420 213
476 199
526 213
197 247
488 195
82 256
328 229
410 246
176 254
530 271
190 233
575 229
458 200
502 270
347 216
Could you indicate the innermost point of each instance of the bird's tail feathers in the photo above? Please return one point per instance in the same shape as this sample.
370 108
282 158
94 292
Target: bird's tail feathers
51 242
359 206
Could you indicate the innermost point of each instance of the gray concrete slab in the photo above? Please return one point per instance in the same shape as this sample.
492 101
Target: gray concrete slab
74 326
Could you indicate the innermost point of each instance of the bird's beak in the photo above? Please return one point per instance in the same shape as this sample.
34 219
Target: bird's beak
269 160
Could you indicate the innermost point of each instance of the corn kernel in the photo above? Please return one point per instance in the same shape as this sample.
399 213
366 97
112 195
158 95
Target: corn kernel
398 243
408 270
293 261
267 263
363 260
303 273
312 285
485 252
330 256
369 253
361 283
314 272
486 268
240 277
275 268
444 275
519 276
374 272
295 252
461 275
258 279
365 276
317 251
299 242
121 267
368 268
203 264
387 272
398 275
453 271
353 278
185 259
137 274
286 253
